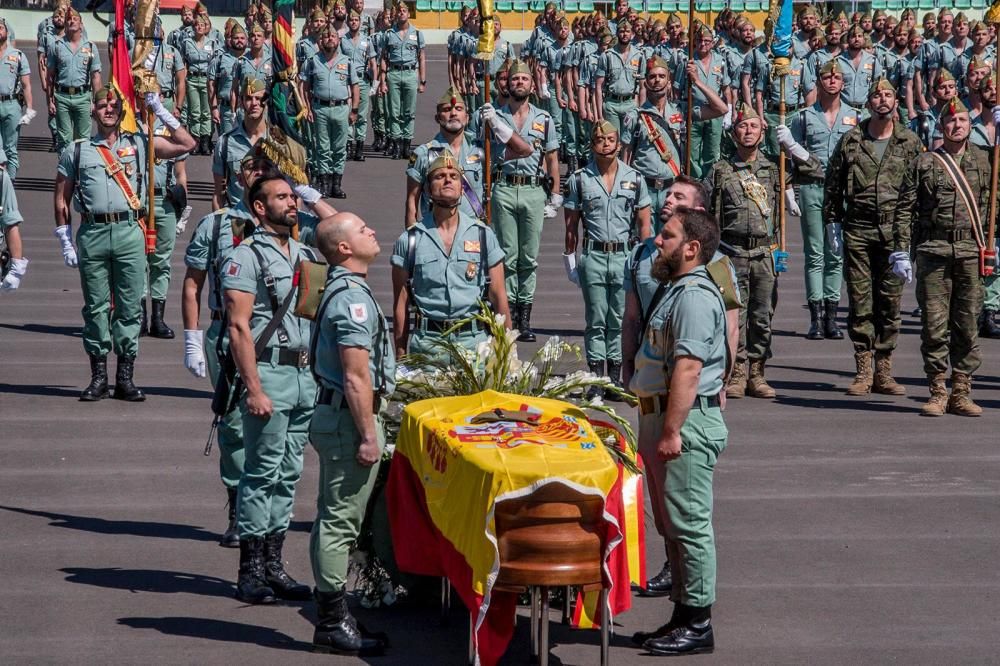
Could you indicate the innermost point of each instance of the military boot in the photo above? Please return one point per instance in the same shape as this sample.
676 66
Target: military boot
524 324
596 367
335 183
757 386
816 323
515 314
124 388
277 578
144 321
359 151
157 329
615 375
391 148
379 143
736 388
960 401
640 637
862 384
404 149
830 329
883 381
692 635
251 587
349 151
337 632
659 585
938 403
987 325
98 387
231 537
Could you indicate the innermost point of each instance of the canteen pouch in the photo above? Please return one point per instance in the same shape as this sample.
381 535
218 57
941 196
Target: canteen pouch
719 272
309 291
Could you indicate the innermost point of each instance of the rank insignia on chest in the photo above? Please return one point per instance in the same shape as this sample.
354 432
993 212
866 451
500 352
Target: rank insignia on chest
635 63
628 185
717 69
471 269
413 38
796 72
676 118
233 270
126 151
342 65
472 159
471 246
12 58
538 127
851 120
129 169
868 65
359 312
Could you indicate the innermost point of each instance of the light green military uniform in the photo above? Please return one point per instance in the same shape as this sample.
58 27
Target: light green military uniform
447 287
551 58
607 218
690 321
274 446
197 58
229 151
112 254
13 65
207 251
472 160
706 135
46 44
502 52
646 159
621 73
402 54
858 80
380 106
330 83
10 215
165 221
351 317
169 64
795 91
360 53
220 71
72 72
991 283
248 68
519 209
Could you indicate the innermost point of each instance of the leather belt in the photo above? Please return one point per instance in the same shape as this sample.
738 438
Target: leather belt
197 75
113 218
337 400
442 325
657 404
7 98
167 94
401 68
518 181
620 98
951 235
789 108
296 358
72 90
604 246
330 102
659 183
746 242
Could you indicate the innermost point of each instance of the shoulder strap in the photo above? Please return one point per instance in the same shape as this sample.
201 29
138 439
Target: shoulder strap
117 173
77 145
483 258
634 269
411 261
269 281
278 312
314 338
963 191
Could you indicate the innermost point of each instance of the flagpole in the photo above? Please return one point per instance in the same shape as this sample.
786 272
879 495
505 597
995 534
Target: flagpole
151 180
995 172
690 96
488 149
781 170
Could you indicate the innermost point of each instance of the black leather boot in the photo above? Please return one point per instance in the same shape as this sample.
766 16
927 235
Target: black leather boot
660 584
124 388
615 375
359 151
640 637
157 329
515 314
231 537
391 148
349 151
251 587
337 631
404 150
379 143
144 321
815 321
524 325
693 635
283 585
596 367
335 186
98 387
326 181
831 331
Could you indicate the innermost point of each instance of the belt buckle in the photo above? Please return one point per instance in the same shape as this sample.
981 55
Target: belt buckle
303 360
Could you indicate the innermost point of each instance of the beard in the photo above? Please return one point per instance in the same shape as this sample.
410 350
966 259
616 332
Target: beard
664 268
519 94
453 126
286 219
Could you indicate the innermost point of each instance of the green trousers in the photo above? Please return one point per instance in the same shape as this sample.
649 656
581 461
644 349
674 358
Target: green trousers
402 107
950 294
230 431
344 488
380 114
518 214
615 112
158 263
706 146
552 106
583 130
824 268
112 264
771 147
758 285
568 136
331 129
274 449
873 291
227 119
72 118
10 130
602 278
688 498
199 113
360 130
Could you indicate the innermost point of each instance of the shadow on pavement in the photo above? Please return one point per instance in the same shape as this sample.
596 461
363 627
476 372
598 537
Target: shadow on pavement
853 404
70 392
71 331
217 630
150 580
124 527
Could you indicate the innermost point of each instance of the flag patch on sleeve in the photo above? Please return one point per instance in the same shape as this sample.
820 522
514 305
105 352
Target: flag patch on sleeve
359 312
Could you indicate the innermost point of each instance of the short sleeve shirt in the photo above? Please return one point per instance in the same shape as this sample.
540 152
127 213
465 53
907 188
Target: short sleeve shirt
236 144
621 71
234 224
607 216
9 213
403 49
645 156
331 79
811 131
471 158
94 191
539 131
197 56
73 68
13 65
168 65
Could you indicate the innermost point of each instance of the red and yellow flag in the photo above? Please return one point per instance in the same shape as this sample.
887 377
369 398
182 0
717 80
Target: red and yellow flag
121 69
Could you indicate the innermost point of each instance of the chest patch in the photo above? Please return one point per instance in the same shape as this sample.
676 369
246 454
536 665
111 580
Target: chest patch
127 151
471 269
471 246
538 127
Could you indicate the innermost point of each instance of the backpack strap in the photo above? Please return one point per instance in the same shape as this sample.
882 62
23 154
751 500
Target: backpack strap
483 258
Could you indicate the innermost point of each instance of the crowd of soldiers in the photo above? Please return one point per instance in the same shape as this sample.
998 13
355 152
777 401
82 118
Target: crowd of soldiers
885 131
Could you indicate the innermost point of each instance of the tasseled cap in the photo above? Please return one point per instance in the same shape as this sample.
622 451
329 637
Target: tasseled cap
879 14
944 75
952 107
656 62
808 11
200 9
354 13
674 19
880 84
444 161
831 67
451 97
961 18
253 86
317 13
519 67
704 32
602 128
237 30
256 27
108 92
230 24
856 31
978 63
744 112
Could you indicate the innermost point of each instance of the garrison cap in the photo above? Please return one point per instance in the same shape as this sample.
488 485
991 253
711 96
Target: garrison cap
200 9
602 128
237 30
744 112
228 28
900 29
908 12
606 38
879 84
879 14
944 12
550 6
444 161
944 75
674 19
961 18
978 63
256 27
71 11
704 32
265 11
202 18
856 31
831 67
451 97
929 16
656 62
953 107
107 91
253 86
987 82
831 26
317 13
519 67
808 11
977 25
354 13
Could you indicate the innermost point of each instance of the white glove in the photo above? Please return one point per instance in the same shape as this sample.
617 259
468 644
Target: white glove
69 254
727 120
544 92
307 194
553 205
373 91
569 261
901 266
835 237
150 62
792 147
996 115
18 267
154 104
182 221
791 205
501 130
194 356
29 115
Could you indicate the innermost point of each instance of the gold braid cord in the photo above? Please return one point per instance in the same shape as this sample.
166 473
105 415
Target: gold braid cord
772 20
288 156
992 15
145 22
485 47
781 67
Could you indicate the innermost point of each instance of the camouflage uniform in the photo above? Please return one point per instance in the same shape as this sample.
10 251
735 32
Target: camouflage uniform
861 193
949 288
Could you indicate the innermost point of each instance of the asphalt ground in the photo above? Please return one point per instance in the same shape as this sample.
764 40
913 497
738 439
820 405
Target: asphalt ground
850 530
